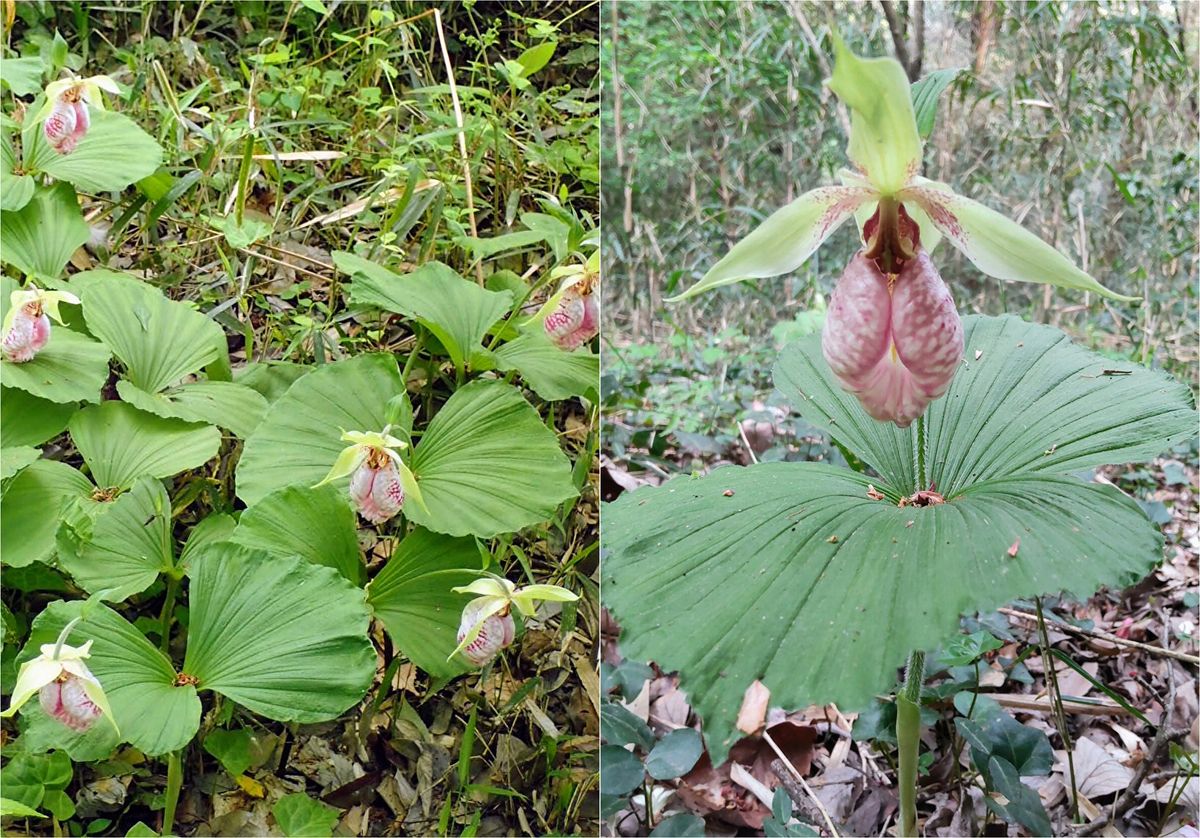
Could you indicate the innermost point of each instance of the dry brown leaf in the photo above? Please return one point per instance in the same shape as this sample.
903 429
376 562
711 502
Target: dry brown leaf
754 707
1097 772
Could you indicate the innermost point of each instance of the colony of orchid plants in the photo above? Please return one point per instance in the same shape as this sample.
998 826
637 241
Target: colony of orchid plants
118 399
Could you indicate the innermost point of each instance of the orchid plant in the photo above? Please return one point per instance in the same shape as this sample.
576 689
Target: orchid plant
65 116
816 582
66 688
892 334
487 624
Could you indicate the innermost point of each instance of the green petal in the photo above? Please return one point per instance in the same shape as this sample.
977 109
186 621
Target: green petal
347 461
996 245
884 143
786 239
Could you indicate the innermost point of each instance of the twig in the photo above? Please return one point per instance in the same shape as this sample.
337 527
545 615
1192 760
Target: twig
1125 802
799 799
749 448
1099 634
792 770
462 136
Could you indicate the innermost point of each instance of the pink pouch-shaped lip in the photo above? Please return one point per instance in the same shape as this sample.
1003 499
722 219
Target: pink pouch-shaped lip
574 321
375 488
64 699
496 633
28 334
894 343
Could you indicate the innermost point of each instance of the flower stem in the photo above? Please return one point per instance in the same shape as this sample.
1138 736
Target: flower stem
64 634
174 784
908 737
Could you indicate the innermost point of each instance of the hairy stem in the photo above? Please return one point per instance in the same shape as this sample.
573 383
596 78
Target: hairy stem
908 737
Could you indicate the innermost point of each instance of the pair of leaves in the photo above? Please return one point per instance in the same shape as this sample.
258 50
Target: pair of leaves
301 654
785 572
486 464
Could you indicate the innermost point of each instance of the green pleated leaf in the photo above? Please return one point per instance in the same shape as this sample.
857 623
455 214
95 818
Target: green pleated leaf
301 434
39 238
30 510
130 544
27 420
114 154
925 95
153 715
70 368
15 190
157 339
413 599
458 311
1031 401
550 372
788 573
270 379
487 464
315 524
13 458
41 733
220 403
120 443
300 654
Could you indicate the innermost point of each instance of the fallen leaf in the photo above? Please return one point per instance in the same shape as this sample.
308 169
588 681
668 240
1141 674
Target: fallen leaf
1097 772
754 708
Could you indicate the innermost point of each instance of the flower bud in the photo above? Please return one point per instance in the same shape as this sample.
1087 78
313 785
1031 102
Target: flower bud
66 700
496 632
375 487
574 321
28 333
894 341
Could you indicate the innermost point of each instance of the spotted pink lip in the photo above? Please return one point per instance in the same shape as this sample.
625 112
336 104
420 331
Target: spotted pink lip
496 632
894 343
64 699
376 490
574 321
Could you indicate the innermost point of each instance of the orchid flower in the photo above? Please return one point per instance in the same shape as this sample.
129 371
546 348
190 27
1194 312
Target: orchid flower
487 623
67 690
572 316
64 116
892 334
26 327
380 479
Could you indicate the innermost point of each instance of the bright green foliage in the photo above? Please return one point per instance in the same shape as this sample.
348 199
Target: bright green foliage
153 714
120 443
40 238
114 154
27 420
550 372
316 524
30 507
457 311
412 597
486 464
792 574
299 654
299 815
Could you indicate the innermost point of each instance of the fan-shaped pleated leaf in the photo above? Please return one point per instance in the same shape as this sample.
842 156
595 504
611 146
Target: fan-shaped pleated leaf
120 443
114 154
129 546
153 714
280 635
15 190
550 372
412 596
486 464
1025 400
315 524
270 379
788 573
13 458
70 368
39 238
30 510
27 420
458 311
41 733
220 403
157 339
301 434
